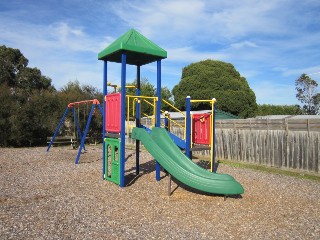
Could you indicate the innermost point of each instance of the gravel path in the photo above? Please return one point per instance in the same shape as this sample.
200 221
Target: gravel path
46 196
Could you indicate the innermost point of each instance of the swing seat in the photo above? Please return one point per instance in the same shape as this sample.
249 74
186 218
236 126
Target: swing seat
63 140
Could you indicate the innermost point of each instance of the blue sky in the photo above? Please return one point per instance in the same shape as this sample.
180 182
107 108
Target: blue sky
271 43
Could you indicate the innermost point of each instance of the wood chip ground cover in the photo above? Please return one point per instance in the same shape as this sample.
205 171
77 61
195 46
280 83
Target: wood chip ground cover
46 196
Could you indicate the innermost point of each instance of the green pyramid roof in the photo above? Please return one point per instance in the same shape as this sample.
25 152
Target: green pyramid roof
139 49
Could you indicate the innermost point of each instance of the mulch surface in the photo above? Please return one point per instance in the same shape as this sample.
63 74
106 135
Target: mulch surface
46 196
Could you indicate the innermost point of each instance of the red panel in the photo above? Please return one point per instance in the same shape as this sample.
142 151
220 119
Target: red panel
201 128
113 113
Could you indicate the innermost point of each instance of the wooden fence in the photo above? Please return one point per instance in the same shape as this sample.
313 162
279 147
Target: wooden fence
289 143
283 143
277 148
287 124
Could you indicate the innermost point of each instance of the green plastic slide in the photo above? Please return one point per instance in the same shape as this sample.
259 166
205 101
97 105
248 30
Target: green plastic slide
169 156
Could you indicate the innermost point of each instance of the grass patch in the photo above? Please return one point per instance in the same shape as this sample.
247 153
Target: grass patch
292 173
273 170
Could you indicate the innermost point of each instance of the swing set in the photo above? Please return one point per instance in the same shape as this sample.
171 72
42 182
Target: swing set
76 116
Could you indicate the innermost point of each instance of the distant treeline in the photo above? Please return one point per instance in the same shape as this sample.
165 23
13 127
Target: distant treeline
31 107
267 109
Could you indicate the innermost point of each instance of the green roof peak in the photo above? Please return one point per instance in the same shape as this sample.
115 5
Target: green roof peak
139 49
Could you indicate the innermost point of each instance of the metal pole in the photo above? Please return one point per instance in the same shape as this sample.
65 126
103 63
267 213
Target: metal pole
103 112
188 126
100 109
138 93
158 119
169 185
213 147
166 121
123 118
58 128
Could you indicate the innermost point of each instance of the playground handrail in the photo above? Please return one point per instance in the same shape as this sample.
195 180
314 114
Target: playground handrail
144 99
175 122
210 101
166 102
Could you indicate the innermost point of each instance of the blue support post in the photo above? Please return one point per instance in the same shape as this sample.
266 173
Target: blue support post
100 109
138 92
188 127
123 118
83 139
103 112
166 121
158 113
58 128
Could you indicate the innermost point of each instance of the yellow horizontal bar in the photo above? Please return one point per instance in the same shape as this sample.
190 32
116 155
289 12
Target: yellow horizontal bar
146 97
210 101
109 84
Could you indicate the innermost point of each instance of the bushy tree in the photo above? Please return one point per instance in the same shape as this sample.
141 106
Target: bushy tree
215 79
33 120
268 109
307 94
27 101
11 63
7 109
74 92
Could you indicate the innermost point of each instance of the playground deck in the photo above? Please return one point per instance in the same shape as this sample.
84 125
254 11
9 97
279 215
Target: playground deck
45 196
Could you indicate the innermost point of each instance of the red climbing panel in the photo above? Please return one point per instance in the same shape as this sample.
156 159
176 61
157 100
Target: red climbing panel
201 128
113 113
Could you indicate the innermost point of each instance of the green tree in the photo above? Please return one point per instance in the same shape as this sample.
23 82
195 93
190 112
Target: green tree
316 100
24 90
33 120
74 92
12 62
268 109
147 89
7 109
30 79
307 94
215 79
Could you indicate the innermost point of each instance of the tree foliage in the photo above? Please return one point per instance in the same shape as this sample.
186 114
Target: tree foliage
74 92
215 79
267 109
30 106
307 94
147 89
11 63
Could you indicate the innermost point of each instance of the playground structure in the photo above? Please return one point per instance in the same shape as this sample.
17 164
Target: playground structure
134 49
81 135
199 129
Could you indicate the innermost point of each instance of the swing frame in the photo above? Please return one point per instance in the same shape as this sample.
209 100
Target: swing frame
71 106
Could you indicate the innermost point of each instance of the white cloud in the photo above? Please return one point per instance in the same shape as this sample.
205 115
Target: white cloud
274 93
188 54
270 40
299 71
243 44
